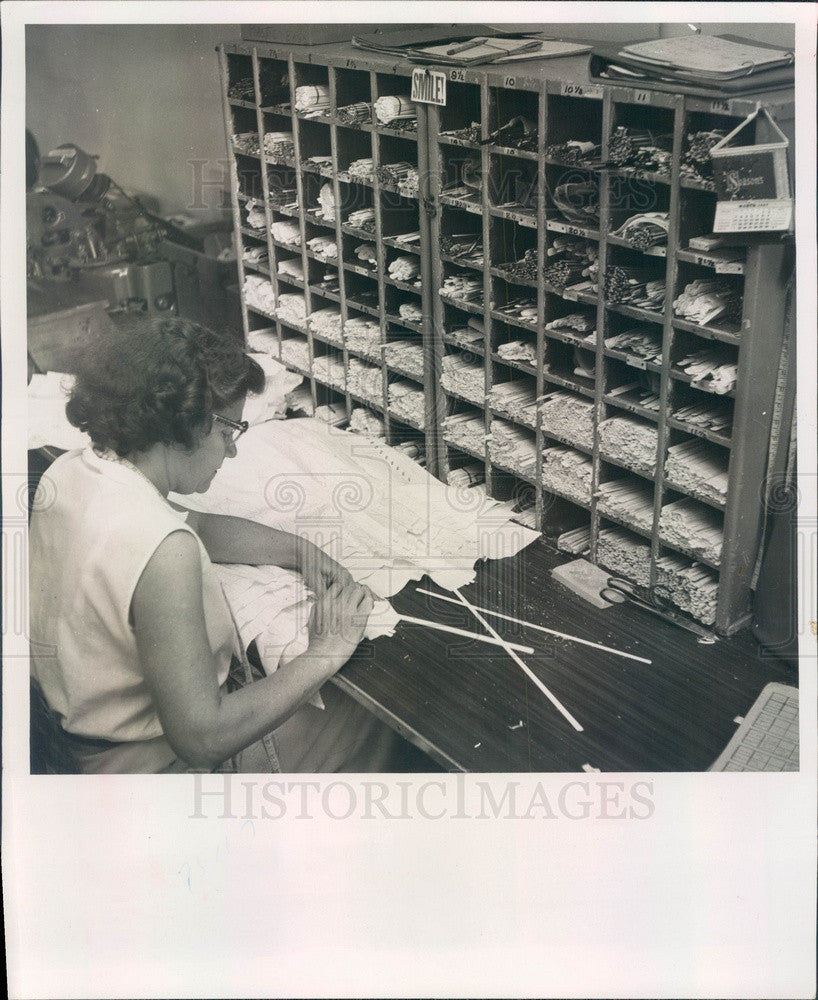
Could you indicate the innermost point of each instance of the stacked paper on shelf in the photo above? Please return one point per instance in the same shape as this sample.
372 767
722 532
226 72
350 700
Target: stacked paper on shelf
463 286
691 526
363 421
326 203
334 414
313 100
576 542
567 472
629 442
296 351
463 377
624 554
300 401
643 341
329 370
363 336
710 371
518 350
406 355
286 232
468 430
320 161
389 109
359 113
411 311
471 474
574 323
515 399
292 268
407 400
691 587
512 447
713 416
279 145
362 218
292 309
324 247
326 323
365 381
256 219
699 468
703 301
568 416
645 230
627 500
363 169
466 336
404 268
521 308
259 294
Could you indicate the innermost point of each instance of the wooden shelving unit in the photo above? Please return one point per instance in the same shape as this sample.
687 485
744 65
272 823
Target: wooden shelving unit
508 197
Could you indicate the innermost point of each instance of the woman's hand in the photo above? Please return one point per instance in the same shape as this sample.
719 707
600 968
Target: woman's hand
320 571
339 618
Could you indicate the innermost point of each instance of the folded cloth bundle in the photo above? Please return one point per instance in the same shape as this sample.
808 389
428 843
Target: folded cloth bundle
404 268
407 401
411 311
279 145
363 421
324 247
362 169
578 322
326 203
648 229
359 113
518 350
365 381
568 472
286 232
389 109
465 336
704 300
256 218
629 442
296 351
467 430
569 416
330 370
312 100
292 268
258 293
326 323
292 309
363 336
515 399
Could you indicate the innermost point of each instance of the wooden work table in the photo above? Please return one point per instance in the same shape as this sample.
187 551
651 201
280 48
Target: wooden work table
463 702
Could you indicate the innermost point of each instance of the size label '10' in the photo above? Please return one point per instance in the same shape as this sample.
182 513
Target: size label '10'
428 86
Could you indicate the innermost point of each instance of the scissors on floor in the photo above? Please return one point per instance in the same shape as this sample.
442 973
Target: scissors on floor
619 591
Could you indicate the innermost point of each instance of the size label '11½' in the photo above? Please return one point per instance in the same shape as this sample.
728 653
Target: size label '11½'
428 86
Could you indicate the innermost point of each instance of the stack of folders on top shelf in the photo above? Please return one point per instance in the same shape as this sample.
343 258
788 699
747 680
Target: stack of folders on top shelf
568 416
568 473
512 447
708 63
466 430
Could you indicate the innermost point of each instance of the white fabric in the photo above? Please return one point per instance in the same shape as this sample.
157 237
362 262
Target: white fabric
98 525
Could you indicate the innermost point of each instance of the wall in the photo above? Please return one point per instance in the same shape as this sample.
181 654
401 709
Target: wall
146 98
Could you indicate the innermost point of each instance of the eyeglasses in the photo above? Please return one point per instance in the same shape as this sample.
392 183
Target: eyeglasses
238 427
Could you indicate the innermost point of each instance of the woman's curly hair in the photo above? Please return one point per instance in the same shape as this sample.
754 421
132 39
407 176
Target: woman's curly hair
159 383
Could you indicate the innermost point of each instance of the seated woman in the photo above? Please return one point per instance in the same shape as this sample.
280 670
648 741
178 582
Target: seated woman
133 637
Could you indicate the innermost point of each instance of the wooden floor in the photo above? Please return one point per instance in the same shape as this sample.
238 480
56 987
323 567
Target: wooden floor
472 708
